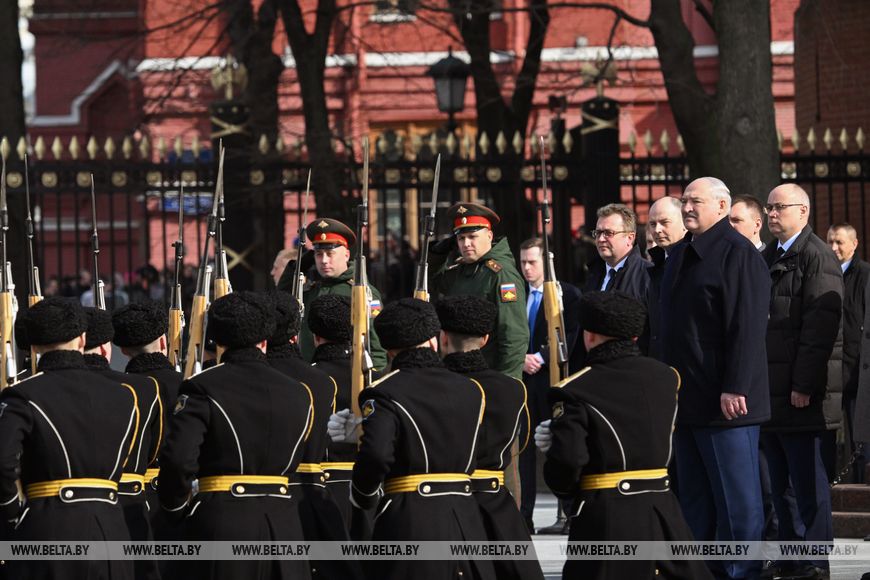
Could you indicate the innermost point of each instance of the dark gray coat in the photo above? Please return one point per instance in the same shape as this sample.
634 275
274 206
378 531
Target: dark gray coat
806 302
862 407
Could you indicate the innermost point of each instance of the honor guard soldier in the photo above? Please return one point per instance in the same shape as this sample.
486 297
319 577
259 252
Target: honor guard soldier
332 241
320 516
419 446
609 443
218 434
131 489
66 433
466 323
474 262
140 332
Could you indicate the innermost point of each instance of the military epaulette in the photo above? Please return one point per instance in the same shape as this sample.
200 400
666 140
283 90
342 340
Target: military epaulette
382 379
567 380
203 371
493 265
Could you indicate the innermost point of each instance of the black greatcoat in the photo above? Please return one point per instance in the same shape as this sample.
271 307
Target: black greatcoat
65 422
334 360
506 413
147 442
618 415
318 512
421 418
241 418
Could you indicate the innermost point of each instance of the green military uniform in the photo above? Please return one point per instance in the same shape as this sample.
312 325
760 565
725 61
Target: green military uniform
493 277
326 233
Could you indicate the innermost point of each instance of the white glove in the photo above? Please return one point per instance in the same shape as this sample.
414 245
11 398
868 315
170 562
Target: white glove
343 427
543 436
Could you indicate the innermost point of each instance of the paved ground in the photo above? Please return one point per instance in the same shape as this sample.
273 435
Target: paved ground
545 514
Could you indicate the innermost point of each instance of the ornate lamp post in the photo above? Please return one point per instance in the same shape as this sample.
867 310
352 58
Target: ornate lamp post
451 77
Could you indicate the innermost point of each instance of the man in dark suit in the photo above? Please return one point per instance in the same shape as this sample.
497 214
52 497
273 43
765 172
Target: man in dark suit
715 298
536 373
619 265
843 239
666 224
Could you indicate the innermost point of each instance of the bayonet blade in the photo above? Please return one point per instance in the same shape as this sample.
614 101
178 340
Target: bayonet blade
435 187
365 180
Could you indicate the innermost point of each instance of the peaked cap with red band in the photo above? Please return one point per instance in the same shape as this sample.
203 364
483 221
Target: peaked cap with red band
327 233
469 217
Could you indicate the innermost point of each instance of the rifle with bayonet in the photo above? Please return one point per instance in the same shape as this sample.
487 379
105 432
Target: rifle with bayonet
553 309
198 310
421 288
34 290
8 368
98 286
176 313
360 311
298 287
222 285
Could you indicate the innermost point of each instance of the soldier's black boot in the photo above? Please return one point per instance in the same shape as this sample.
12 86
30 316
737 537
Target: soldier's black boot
560 526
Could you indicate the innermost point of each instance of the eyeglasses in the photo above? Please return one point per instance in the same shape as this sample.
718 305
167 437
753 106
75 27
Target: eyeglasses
778 207
608 233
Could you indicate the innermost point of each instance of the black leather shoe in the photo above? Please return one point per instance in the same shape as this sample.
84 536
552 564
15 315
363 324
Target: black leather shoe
530 524
559 527
806 572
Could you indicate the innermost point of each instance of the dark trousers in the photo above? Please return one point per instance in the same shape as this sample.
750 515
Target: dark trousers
539 410
797 458
720 490
857 473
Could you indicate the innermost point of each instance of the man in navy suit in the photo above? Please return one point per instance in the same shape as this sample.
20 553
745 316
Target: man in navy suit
536 372
715 299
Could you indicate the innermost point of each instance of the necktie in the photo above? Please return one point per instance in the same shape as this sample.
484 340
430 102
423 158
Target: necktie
611 274
533 315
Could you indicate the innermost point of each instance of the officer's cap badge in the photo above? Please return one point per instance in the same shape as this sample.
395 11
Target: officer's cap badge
461 209
368 408
180 404
322 225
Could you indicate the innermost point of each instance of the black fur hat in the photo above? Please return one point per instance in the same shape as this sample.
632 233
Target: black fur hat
614 314
241 319
20 329
140 323
100 329
329 318
406 322
55 320
286 315
466 314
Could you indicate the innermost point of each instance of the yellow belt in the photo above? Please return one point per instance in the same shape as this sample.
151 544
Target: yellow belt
53 488
410 483
338 465
309 468
611 480
133 478
151 473
488 474
214 483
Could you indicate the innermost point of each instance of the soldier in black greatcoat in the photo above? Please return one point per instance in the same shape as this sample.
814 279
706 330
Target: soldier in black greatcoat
320 516
66 433
418 448
217 435
466 322
329 322
609 443
131 489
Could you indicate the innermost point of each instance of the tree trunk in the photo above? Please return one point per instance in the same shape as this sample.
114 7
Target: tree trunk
12 127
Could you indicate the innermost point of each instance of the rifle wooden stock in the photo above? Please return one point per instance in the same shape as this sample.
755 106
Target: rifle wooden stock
176 327
359 316
196 343
34 358
421 295
8 374
555 332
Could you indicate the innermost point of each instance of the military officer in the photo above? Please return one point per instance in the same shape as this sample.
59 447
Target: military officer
131 489
318 511
66 432
607 453
474 262
466 323
414 465
332 241
217 434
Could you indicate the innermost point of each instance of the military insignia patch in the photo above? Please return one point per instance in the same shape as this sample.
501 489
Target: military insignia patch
558 410
368 408
493 265
461 209
322 224
508 292
3 409
180 404
375 306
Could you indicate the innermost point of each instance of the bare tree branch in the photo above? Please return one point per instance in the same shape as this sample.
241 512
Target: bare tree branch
702 10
